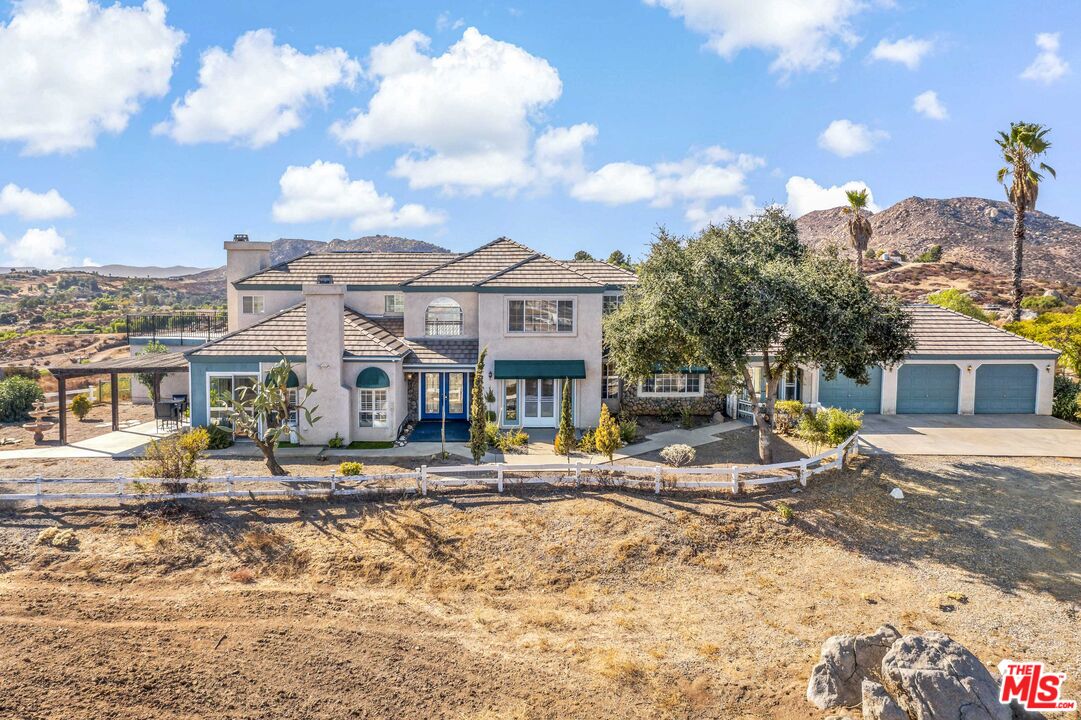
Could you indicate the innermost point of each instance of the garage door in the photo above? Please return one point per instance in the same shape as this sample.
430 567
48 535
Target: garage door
1006 389
843 392
928 389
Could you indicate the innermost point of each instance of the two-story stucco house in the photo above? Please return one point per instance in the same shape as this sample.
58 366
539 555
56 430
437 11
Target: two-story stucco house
390 337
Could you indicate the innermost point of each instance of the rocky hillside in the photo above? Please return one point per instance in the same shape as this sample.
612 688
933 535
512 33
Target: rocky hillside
284 249
972 231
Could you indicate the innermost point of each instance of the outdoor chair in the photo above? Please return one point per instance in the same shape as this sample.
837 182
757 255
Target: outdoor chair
165 415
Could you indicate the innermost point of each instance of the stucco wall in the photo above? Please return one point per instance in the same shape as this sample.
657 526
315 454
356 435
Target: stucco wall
242 259
417 302
583 344
397 401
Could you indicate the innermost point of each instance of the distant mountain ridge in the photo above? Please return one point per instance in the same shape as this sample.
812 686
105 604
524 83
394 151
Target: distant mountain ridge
137 271
284 249
972 231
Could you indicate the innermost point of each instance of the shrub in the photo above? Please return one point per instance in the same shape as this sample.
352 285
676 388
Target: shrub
686 417
588 443
1066 404
608 437
242 575
218 437
1041 302
351 468
17 398
954 299
931 254
491 433
175 458
512 440
55 537
628 429
829 426
80 405
785 511
678 455
337 442
786 415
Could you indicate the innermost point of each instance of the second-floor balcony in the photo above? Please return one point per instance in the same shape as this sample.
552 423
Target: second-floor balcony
183 326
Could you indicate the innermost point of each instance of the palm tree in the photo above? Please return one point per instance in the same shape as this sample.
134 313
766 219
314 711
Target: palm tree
1020 147
859 226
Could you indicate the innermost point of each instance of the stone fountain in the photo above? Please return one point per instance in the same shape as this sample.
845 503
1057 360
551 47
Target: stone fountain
40 426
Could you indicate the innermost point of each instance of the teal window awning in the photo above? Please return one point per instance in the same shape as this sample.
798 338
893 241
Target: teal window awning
513 369
373 377
292 382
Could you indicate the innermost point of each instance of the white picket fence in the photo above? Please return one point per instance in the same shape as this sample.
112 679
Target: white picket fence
425 478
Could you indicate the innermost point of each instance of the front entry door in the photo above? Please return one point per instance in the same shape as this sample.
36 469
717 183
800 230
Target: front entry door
441 393
539 402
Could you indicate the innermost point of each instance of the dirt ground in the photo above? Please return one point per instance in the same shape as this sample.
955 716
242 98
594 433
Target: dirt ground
547 603
97 422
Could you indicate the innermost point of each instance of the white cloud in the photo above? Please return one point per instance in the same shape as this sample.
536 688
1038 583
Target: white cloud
699 177
928 105
701 217
465 115
805 195
88 263
256 93
444 22
1048 65
559 152
37 248
617 183
73 70
323 191
804 34
908 51
846 138
30 205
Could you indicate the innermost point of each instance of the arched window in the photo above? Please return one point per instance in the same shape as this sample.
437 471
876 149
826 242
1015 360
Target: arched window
443 317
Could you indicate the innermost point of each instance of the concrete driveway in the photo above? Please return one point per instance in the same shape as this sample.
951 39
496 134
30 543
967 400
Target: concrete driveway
976 435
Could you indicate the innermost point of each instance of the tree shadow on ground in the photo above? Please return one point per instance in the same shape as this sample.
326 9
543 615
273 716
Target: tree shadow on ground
1009 523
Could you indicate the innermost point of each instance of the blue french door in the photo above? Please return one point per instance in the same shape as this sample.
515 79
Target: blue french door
443 392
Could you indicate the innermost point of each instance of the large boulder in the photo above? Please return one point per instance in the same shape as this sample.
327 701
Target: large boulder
934 677
844 663
878 705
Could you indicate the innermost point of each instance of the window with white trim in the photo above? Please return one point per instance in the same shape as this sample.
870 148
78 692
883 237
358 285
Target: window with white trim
443 317
611 302
394 304
609 382
671 384
251 304
223 388
541 315
373 408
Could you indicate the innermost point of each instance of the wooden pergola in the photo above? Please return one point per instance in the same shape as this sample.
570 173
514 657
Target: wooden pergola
157 363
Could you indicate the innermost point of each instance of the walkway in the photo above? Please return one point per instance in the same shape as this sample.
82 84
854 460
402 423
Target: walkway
128 442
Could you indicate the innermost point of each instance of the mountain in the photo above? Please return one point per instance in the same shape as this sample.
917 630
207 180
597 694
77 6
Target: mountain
284 249
136 271
972 231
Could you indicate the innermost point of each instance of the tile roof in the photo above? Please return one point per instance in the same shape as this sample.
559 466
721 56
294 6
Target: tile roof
940 331
476 266
286 332
604 272
350 267
539 271
442 351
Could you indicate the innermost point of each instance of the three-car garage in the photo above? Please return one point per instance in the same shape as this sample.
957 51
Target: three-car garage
959 366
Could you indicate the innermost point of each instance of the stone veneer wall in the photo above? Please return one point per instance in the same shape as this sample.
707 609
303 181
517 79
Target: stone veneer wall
412 389
712 400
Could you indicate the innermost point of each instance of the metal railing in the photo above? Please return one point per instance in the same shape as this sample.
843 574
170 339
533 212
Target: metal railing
443 327
202 325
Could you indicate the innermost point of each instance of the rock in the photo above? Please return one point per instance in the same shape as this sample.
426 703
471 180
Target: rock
718 418
844 663
975 295
933 676
1029 314
897 494
1055 294
878 705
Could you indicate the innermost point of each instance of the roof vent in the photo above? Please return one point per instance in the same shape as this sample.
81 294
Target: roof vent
324 279
240 237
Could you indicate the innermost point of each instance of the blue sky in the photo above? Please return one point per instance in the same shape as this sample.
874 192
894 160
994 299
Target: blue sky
164 128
